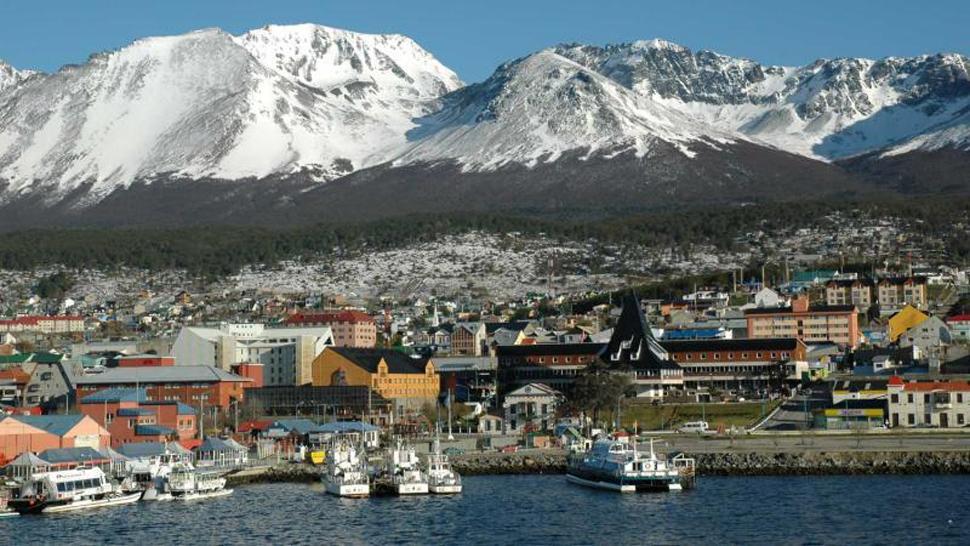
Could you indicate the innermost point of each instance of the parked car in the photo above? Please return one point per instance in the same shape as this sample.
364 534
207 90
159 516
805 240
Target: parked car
509 449
699 427
452 451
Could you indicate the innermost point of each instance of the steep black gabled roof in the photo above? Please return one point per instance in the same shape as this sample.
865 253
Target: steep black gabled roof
632 343
369 359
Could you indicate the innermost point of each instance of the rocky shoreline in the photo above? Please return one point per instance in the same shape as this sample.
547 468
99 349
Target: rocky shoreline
708 464
745 464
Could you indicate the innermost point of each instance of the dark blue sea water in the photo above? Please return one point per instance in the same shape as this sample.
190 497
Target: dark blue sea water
541 510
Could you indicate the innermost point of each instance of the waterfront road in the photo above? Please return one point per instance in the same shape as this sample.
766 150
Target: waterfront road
795 413
780 442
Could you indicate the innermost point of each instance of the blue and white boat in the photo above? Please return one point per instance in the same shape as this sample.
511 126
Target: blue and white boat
617 465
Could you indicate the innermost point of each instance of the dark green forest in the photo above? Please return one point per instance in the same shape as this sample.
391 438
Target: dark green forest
221 250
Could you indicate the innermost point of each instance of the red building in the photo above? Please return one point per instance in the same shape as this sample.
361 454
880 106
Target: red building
131 417
351 328
196 386
138 361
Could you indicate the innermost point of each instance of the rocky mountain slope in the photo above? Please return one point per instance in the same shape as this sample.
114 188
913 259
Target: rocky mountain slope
306 123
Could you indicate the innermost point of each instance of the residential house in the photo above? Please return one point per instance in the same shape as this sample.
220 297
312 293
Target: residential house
903 320
930 336
857 292
895 292
469 339
959 326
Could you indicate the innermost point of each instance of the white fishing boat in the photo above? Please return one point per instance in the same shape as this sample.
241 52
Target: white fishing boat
618 465
6 511
345 474
442 479
68 490
188 483
401 473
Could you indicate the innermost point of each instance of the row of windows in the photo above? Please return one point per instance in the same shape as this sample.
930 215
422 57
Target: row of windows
78 484
940 398
927 419
730 356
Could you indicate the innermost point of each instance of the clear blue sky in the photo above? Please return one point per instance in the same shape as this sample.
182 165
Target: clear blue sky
474 36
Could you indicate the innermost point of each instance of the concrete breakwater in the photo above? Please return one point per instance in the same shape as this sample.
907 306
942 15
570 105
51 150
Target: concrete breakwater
296 473
743 464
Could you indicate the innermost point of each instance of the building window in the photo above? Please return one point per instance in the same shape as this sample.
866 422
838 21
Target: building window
959 398
960 419
909 398
911 419
894 398
927 419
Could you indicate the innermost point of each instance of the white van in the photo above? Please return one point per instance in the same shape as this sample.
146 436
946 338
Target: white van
694 426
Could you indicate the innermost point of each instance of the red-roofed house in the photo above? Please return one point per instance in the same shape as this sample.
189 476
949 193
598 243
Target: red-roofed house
959 326
351 328
943 404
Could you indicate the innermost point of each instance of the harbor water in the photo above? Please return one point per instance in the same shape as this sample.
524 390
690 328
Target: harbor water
540 509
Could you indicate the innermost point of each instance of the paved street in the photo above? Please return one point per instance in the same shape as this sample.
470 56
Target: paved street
793 414
776 442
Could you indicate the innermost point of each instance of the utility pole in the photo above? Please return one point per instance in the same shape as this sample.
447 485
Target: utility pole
450 436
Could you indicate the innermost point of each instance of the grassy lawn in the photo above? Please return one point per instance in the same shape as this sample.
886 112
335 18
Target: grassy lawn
650 417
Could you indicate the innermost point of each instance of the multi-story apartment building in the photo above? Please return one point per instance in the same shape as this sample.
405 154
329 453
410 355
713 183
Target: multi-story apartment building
351 328
808 323
857 292
895 292
285 353
943 404
410 383
554 364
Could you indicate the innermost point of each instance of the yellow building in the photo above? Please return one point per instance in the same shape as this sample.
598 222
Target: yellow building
906 318
393 375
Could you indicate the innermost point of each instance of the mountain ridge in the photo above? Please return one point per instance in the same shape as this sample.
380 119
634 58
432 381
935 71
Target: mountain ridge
313 114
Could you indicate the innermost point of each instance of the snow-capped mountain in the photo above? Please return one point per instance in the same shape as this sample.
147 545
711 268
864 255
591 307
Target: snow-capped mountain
210 105
829 109
537 108
10 76
287 115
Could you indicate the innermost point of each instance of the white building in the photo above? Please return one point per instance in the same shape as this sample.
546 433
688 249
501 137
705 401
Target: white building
285 353
531 408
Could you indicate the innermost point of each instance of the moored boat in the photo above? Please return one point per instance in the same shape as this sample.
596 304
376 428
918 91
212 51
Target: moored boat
68 490
345 474
442 478
188 483
401 473
617 465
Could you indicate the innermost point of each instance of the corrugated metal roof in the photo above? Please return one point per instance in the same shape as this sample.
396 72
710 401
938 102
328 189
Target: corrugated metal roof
153 430
117 394
71 455
55 424
134 412
346 426
162 374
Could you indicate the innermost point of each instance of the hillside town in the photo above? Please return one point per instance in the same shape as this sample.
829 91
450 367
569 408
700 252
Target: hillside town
266 370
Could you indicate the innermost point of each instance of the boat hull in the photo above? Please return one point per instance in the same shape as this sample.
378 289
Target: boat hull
411 489
200 495
55 507
356 490
639 485
445 489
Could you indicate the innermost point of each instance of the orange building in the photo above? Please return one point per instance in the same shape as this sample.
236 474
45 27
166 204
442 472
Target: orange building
808 323
36 433
407 381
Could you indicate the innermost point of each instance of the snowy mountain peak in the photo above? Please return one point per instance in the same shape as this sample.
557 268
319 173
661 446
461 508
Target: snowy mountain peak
535 109
10 76
657 43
